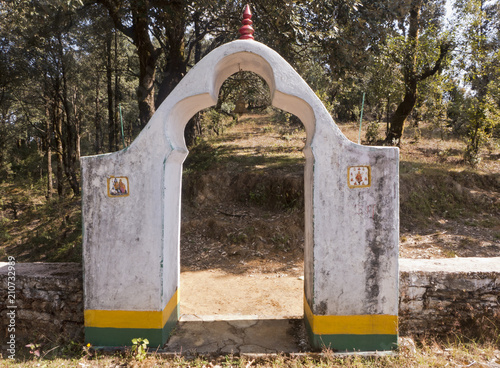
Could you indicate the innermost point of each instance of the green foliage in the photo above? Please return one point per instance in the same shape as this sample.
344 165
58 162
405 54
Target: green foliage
326 101
27 163
383 80
456 111
216 122
371 135
140 348
482 117
202 157
244 87
73 61
432 105
478 61
279 116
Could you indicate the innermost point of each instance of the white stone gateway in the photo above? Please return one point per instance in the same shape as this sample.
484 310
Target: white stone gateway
132 206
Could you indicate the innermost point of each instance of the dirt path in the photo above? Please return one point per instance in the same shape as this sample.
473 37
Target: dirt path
216 292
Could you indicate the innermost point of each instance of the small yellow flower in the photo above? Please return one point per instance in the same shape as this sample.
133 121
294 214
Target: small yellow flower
88 345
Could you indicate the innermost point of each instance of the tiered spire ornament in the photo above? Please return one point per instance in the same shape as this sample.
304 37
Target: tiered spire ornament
246 29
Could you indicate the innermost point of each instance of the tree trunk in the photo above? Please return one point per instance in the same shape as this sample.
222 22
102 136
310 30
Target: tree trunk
398 119
57 124
404 109
192 130
148 56
48 151
176 64
71 136
77 117
387 117
97 118
109 84
197 33
145 92
117 96
139 32
411 75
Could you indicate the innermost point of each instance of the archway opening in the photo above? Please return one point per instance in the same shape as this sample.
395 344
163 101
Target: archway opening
242 237
242 234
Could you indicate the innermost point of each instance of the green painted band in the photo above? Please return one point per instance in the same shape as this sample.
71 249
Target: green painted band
352 342
107 336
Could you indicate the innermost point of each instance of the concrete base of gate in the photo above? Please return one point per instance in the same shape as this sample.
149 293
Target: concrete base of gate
237 334
247 335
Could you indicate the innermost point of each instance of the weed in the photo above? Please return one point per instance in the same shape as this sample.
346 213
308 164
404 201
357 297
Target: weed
268 129
470 223
239 238
280 239
371 135
140 348
35 349
87 351
467 241
488 223
258 196
449 254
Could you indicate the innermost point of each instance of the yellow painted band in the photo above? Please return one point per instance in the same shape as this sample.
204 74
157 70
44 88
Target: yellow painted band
370 324
170 307
131 319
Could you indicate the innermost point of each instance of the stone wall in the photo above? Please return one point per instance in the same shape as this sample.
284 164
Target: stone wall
449 296
437 297
49 300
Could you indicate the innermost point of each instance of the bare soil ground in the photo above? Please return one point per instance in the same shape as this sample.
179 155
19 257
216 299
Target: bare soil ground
242 220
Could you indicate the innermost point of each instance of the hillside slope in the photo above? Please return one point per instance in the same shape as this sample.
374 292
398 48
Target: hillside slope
243 202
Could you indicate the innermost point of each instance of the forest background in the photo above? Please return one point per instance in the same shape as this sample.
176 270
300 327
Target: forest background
83 77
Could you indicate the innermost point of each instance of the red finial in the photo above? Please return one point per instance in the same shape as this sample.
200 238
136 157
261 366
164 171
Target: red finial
246 29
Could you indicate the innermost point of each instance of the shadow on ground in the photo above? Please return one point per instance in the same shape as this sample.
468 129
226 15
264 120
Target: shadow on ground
235 334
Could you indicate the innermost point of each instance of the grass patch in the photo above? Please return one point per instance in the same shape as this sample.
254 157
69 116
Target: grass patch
425 353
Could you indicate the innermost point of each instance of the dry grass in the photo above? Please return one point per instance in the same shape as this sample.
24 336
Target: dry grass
410 354
432 146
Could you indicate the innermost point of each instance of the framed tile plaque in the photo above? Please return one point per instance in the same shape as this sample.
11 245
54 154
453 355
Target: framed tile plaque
359 176
118 186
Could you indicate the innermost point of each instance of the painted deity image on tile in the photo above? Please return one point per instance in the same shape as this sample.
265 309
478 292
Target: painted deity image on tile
118 186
